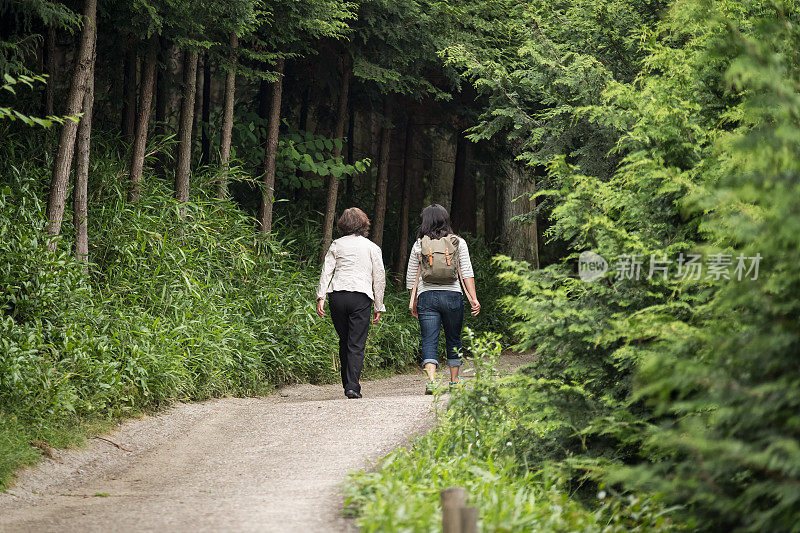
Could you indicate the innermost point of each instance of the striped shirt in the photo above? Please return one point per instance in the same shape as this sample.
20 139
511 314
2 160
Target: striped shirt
413 267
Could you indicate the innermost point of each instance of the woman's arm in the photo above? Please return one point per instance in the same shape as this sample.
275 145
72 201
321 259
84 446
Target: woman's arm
325 279
412 271
378 281
472 295
468 276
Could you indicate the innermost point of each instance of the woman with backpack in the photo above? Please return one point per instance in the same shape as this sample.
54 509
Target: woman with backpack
354 280
438 267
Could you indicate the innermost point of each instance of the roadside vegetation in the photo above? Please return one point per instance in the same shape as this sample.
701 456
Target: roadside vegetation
658 402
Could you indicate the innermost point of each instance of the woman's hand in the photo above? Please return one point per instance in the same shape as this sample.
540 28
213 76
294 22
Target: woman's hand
321 307
377 317
476 307
412 306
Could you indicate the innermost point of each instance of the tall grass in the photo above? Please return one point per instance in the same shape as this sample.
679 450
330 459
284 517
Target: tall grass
180 302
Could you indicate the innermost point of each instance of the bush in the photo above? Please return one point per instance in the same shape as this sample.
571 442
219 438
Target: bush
482 443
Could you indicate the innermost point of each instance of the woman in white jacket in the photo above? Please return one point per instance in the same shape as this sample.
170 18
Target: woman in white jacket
354 277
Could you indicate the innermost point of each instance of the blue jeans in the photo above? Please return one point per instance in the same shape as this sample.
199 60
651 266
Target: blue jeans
438 309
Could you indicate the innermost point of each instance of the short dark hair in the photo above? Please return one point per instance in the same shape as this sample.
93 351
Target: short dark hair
435 222
353 222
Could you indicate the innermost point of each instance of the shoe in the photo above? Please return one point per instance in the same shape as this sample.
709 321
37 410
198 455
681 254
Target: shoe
457 384
352 394
430 387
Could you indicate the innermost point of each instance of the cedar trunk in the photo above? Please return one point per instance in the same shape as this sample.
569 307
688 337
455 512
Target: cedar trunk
162 86
131 63
351 127
333 181
66 144
463 206
402 245
142 120
520 236
50 70
227 120
199 94
167 72
184 163
491 217
205 152
383 175
80 195
271 151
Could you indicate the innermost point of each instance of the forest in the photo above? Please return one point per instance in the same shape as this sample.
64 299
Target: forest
624 171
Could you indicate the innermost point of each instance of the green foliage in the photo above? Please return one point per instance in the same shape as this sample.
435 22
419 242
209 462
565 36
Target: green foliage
304 159
679 387
8 113
481 443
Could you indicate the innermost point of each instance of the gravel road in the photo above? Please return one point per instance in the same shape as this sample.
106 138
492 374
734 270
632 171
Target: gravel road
274 463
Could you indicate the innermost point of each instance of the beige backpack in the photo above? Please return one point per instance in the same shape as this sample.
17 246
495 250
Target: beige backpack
439 263
440 260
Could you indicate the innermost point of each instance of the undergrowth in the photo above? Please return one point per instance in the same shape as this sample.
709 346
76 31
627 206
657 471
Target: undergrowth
180 302
482 443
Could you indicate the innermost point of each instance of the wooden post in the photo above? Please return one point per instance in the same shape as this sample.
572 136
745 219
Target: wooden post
469 520
453 499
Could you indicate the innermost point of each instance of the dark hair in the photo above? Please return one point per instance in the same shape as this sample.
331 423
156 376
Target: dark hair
353 222
435 222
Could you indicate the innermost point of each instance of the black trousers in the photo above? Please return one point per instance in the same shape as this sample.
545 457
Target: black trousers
350 312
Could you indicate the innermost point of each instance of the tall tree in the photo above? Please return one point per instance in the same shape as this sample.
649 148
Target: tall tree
402 244
80 194
379 217
463 205
271 151
49 69
184 158
338 133
491 209
66 143
227 118
129 71
351 136
143 119
205 124
520 231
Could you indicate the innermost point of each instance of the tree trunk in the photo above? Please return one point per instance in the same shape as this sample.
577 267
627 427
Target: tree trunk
351 127
264 99
520 236
491 217
333 181
271 151
164 82
205 152
227 120
66 144
199 94
463 207
383 174
50 70
374 147
80 195
184 162
402 245
131 63
142 120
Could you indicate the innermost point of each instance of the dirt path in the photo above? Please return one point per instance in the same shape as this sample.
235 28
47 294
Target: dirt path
234 464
